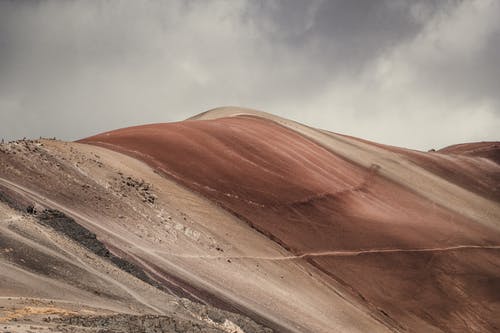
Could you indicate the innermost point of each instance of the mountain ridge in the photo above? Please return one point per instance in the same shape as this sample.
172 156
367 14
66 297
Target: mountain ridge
300 229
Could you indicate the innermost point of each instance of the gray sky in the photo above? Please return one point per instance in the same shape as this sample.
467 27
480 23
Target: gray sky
419 74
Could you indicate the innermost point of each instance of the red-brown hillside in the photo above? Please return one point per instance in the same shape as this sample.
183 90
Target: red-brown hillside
490 150
419 262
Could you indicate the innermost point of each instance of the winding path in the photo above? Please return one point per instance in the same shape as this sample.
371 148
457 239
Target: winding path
137 251
339 253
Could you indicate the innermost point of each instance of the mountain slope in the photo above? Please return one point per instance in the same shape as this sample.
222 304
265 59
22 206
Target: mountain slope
324 197
192 247
300 229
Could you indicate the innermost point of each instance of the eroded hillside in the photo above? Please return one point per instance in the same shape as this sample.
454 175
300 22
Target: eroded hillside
301 230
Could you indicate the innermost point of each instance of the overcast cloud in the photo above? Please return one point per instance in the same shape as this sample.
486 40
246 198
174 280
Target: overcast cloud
420 74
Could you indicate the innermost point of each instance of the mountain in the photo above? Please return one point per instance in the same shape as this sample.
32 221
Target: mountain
237 220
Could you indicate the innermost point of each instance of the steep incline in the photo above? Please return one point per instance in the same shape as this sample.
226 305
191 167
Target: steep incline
412 224
288 187
54 273
184 242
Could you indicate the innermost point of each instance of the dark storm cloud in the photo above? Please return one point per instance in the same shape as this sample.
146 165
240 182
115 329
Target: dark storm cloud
323 40
354 31
415 73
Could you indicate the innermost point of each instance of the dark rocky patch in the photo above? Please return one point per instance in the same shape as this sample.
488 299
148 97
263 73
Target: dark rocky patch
15 200
143 188
125 323
67 226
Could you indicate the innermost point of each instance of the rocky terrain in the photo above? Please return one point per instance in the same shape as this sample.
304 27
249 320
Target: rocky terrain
239 221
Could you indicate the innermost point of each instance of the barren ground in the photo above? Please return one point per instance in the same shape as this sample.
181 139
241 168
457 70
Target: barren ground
299 229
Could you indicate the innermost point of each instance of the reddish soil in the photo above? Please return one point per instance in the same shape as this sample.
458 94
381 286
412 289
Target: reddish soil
290 188
311 200
490 150
456 291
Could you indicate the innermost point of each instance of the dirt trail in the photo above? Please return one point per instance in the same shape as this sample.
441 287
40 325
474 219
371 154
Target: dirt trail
339 253
39 197
139 251
105 277
82 264
71 258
